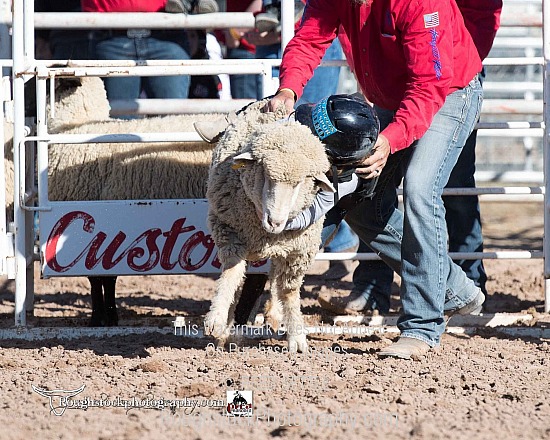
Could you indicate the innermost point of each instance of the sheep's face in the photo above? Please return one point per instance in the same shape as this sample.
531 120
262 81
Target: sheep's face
272 200
278 200
281 176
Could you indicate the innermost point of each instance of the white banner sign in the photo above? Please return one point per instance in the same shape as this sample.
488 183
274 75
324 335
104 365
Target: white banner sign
128 238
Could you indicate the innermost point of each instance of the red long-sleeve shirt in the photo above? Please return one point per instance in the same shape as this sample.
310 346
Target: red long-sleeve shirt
482 19
408 56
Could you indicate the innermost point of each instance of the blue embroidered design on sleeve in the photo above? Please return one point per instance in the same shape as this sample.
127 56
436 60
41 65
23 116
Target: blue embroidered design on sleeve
435 52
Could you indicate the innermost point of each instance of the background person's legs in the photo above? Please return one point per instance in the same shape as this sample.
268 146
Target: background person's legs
324 81
345 240
372 282
119 48
164 87
244 86
463 215
124 48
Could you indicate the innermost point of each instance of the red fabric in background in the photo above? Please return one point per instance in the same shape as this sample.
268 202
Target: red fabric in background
237 6
123 5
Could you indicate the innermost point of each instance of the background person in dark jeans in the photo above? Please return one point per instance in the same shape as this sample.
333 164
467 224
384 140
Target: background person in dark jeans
140 44
73 44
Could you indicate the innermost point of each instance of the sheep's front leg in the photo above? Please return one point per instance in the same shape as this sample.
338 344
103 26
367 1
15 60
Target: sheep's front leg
274 308
296 331
98 305
216 320
288 275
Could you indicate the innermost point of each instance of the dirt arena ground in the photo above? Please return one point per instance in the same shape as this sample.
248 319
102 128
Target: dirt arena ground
485 384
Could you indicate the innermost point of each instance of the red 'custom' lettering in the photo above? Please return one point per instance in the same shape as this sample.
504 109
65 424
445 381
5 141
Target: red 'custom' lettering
58 229
190 245
143 254
171 238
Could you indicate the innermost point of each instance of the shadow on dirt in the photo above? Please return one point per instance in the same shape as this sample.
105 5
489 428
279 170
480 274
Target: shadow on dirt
128 346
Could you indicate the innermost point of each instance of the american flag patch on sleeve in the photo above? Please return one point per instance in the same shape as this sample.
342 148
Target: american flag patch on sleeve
431 20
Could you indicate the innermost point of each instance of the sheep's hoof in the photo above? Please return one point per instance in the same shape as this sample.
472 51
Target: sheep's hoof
215 325
111 317
221 342
274 315
297 343
97 319
273 322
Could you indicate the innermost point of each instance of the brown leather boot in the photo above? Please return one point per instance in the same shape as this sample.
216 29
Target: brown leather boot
405 348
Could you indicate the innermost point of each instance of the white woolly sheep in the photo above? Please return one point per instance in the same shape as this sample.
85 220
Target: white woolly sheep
117 171
9 167
264 173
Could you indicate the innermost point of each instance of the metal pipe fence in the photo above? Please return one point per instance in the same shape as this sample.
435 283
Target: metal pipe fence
25 65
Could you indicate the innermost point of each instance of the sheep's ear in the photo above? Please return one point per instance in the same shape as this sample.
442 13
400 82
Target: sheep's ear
242 160
324 182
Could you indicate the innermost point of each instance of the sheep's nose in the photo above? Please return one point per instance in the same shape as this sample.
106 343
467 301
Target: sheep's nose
274 223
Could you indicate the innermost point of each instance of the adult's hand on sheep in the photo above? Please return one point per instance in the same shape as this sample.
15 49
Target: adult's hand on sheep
284 97
372 166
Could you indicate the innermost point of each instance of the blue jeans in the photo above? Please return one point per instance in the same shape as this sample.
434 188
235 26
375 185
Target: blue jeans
414 242
373 279
244 86
463 216
344 239
148 48
269 52
324 81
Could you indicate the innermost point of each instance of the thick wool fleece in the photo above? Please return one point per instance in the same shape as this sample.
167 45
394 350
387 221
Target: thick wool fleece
78 101
115 171
239 132
288 152
9 169
285 152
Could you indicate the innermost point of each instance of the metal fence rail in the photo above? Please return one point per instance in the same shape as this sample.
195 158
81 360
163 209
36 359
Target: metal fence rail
25 65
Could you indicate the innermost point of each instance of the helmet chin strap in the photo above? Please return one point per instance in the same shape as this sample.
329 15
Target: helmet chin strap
335 183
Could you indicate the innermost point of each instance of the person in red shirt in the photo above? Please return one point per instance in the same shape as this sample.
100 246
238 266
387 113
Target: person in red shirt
239 47
174 6
372 280
417 63
142 44
123 5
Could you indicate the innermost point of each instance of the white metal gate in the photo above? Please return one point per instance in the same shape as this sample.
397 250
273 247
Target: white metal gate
68 253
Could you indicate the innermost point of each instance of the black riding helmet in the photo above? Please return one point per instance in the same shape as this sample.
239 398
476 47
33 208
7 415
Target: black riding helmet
347 125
